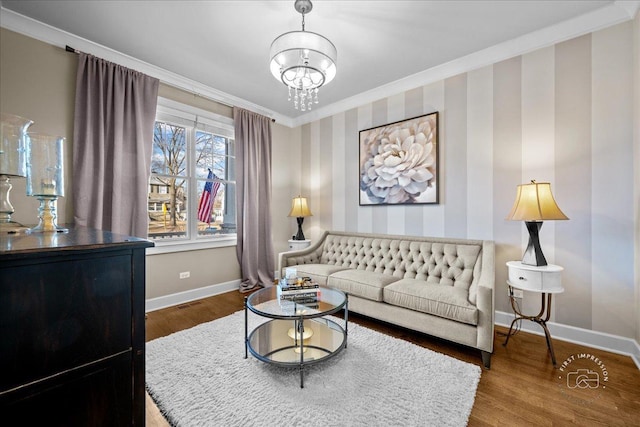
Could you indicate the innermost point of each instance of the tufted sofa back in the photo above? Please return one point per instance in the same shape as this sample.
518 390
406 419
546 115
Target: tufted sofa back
435 261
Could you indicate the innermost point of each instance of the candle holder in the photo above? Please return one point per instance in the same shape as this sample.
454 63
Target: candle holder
13 135
45 178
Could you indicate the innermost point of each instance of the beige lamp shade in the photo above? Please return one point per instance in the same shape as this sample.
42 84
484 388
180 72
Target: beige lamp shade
535 202
299 207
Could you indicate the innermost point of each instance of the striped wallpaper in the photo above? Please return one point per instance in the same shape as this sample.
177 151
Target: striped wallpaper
561 114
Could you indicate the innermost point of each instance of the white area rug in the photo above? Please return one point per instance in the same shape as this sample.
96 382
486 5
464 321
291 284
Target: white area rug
199 377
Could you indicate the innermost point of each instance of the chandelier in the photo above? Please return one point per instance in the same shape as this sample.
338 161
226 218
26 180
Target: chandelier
303 61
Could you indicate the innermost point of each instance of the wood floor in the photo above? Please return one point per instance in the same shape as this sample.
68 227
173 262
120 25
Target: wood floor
522 388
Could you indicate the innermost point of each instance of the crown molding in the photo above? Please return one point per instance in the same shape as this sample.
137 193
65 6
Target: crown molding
54 36
630 6
615 13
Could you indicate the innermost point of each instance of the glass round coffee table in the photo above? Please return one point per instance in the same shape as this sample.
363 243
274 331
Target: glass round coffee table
298 334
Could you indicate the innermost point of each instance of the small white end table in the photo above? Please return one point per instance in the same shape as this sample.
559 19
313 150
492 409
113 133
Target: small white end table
296 245
546 281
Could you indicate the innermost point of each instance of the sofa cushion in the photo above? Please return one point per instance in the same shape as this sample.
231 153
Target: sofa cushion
364 284
317 272
450 302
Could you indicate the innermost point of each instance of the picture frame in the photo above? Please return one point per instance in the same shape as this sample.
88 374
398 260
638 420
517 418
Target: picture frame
399 162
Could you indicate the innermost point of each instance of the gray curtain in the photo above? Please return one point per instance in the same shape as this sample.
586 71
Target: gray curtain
112 140
253 198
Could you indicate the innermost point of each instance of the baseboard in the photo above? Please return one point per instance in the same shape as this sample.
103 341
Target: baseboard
600 340
190 295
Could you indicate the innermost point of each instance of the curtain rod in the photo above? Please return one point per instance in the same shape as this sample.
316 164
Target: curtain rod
73 50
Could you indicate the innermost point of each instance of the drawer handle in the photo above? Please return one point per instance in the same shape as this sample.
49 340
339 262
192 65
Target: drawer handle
521 278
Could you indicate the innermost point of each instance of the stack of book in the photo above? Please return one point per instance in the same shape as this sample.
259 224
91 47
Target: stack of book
305 293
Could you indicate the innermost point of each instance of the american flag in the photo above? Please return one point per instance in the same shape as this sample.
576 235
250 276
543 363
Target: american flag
207 198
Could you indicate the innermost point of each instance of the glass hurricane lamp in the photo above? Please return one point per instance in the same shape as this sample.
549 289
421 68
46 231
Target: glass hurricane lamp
13 135
45 178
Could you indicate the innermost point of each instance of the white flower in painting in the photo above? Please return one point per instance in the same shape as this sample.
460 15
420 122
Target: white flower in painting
398 162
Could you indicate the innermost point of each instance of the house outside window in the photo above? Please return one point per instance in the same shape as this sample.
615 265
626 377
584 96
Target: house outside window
191 147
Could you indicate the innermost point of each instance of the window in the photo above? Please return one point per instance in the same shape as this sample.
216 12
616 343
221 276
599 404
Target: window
192 183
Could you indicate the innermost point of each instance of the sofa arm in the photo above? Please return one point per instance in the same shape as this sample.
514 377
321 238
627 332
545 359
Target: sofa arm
486 298
485 318
310 255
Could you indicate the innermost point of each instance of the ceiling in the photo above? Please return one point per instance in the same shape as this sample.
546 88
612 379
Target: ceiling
224 45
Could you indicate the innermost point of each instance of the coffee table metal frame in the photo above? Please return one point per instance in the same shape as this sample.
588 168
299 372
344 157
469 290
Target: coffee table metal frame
327 306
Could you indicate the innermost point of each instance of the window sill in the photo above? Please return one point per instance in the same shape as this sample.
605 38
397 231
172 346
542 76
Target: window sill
191 245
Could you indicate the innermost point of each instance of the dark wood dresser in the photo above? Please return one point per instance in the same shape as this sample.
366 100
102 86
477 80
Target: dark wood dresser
72 330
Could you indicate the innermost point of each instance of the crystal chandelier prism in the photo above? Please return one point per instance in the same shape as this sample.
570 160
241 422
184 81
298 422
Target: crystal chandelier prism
303 61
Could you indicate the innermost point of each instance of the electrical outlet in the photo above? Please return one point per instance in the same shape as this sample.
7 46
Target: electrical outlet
518 293
185 274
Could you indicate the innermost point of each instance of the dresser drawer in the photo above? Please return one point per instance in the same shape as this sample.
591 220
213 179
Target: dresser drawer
58 315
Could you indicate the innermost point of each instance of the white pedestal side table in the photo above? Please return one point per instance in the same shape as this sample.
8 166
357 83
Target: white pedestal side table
296 245
546 281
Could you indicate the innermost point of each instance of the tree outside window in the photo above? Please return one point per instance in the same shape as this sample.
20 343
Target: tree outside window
182 156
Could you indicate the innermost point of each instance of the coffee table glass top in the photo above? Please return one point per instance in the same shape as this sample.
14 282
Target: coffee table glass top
265 302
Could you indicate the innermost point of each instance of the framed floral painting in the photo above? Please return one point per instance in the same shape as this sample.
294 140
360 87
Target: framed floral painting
399 162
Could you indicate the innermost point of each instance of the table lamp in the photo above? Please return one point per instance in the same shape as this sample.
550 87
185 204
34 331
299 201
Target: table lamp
13 134
535 204
45 177
300 210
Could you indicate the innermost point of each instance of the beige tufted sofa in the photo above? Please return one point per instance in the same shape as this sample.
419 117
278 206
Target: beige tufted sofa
442 287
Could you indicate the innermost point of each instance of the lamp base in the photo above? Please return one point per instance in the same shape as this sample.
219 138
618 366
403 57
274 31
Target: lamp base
295 335
533 254
47 216
7 226
300 234
12 227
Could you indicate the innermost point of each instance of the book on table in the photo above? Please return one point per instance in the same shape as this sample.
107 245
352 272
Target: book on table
298 296
290 307
300 299
297 288
298 293
297 282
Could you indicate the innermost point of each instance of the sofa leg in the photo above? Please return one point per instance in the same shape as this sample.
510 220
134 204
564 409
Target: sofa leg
486 359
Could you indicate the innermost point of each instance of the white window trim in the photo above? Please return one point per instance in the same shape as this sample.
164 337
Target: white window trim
187 112
226 127
190 245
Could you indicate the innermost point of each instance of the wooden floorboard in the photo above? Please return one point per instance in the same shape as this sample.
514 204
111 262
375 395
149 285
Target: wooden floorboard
522 388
